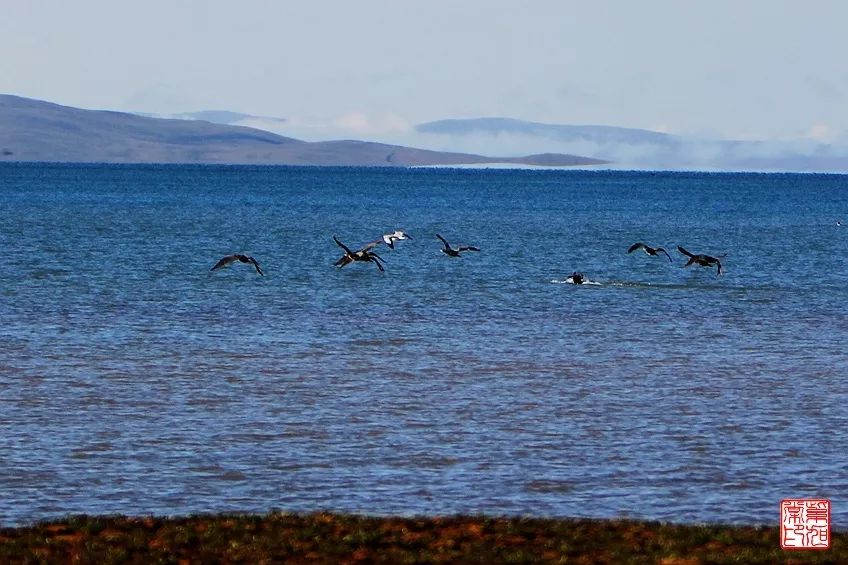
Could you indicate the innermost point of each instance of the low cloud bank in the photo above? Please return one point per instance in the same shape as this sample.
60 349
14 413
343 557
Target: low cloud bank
825 150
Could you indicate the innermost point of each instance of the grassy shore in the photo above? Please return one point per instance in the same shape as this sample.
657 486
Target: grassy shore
342 538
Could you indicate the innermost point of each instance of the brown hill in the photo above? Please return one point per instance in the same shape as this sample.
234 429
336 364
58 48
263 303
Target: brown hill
33 130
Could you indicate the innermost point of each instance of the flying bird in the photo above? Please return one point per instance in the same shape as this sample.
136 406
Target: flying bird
238 257
653 251
363 254
451 252
702 260
391 238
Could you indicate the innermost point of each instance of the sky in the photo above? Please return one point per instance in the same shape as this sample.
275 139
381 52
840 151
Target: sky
737 69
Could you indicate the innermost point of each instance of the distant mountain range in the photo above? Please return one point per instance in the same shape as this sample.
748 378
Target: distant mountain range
507 126
33 130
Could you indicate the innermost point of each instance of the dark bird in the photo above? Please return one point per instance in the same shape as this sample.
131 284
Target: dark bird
391 238
364 254
575 278
649 250
238 257
451 252
702 260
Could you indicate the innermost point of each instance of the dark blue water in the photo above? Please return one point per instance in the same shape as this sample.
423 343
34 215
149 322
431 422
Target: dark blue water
134 380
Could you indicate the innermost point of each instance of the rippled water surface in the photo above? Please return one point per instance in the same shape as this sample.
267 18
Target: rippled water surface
134 380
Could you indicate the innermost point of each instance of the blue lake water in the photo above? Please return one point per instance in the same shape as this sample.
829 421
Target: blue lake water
135 380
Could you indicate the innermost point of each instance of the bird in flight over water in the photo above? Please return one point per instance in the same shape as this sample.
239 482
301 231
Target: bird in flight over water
237 257
391 238
363 254
653 251
451 252
702 260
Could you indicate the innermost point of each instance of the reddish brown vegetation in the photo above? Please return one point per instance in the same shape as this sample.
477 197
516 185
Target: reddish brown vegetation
338 538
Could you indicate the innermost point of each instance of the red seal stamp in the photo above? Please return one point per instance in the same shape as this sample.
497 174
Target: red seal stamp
805 523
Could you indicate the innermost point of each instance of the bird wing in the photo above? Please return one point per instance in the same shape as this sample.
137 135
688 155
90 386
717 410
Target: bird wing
719 267
684 252
467 248
224 262
447 246
690 262
255 264
369 246
343 246
635 246
666 254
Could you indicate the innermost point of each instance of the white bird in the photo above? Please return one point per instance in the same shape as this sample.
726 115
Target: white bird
390 238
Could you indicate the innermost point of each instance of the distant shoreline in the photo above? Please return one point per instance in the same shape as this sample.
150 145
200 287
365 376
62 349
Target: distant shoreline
608 168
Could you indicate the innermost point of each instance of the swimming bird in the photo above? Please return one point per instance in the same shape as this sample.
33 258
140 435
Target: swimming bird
237 257
649 250
702 260
451 252
575 278
838 223
390 238
364 254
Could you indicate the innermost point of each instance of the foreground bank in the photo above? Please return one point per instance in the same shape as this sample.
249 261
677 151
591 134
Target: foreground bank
340 538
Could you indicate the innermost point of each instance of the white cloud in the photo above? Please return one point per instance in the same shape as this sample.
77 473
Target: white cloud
362 123
352 125
823 133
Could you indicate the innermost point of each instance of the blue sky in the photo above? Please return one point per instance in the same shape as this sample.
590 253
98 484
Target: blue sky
746 69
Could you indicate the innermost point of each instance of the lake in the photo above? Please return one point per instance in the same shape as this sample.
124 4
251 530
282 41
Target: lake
135 380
